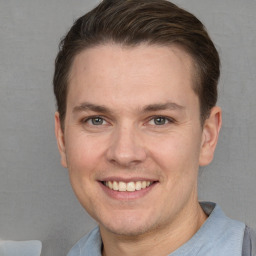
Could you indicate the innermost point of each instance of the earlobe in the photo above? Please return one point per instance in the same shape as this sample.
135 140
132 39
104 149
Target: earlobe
60 140
210 136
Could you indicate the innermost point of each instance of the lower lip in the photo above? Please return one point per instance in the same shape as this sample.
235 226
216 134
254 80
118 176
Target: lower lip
127 195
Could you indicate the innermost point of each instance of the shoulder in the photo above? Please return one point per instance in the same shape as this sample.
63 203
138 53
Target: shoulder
90 244
249 242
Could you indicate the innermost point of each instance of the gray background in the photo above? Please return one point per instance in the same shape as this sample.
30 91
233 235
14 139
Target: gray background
36 200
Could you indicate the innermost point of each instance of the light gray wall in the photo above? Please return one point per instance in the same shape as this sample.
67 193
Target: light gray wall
36 201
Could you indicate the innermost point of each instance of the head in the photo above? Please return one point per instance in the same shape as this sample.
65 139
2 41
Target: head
130 23
135 83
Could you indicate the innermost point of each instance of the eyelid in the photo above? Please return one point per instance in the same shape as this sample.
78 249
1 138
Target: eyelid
169 119
86 119
105 119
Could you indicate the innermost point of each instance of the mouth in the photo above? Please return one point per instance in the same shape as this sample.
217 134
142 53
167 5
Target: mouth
131 186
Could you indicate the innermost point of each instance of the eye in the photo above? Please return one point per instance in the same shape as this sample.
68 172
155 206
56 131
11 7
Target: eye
160 120
96 120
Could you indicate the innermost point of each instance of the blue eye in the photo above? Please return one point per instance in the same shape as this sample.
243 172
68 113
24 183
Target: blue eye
96 121
160 120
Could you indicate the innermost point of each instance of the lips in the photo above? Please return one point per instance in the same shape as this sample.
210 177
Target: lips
130 186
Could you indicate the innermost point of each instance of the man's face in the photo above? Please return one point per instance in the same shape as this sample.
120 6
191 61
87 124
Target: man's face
133 140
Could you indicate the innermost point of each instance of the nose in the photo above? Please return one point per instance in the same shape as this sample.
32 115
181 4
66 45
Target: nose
126 147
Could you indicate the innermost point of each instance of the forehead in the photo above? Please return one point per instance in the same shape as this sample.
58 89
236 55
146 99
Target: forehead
146 73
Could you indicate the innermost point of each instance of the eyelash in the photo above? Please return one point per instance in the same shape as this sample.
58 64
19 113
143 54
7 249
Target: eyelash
167 120
91 118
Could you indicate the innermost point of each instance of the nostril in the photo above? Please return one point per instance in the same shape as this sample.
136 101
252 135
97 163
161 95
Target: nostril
125 148
126 156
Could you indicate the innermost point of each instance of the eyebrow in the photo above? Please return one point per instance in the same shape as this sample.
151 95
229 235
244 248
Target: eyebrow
86 106
165 106
91 107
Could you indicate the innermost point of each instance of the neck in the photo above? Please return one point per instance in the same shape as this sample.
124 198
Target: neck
161 241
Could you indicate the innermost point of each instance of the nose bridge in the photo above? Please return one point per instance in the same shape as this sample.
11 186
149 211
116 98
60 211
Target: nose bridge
126 145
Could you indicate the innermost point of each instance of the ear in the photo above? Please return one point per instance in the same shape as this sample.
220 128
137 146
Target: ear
210 136
60 140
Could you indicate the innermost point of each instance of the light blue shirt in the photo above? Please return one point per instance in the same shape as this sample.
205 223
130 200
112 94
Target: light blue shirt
218 236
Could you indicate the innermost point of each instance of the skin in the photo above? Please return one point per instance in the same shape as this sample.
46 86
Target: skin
128 89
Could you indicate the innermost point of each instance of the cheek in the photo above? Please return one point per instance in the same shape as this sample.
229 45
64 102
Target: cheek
177 153
82 159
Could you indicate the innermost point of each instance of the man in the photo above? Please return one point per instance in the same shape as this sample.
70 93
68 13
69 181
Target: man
136 89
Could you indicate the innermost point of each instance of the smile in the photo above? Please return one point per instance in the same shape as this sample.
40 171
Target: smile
127 186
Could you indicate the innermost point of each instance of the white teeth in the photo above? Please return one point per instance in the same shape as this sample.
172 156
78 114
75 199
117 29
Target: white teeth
115 185
129 186
122 186
110 185
138 185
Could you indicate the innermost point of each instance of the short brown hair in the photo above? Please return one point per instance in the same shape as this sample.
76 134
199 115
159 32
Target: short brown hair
131 22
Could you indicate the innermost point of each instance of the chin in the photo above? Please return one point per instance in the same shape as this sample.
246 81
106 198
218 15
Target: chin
130 227
127 230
